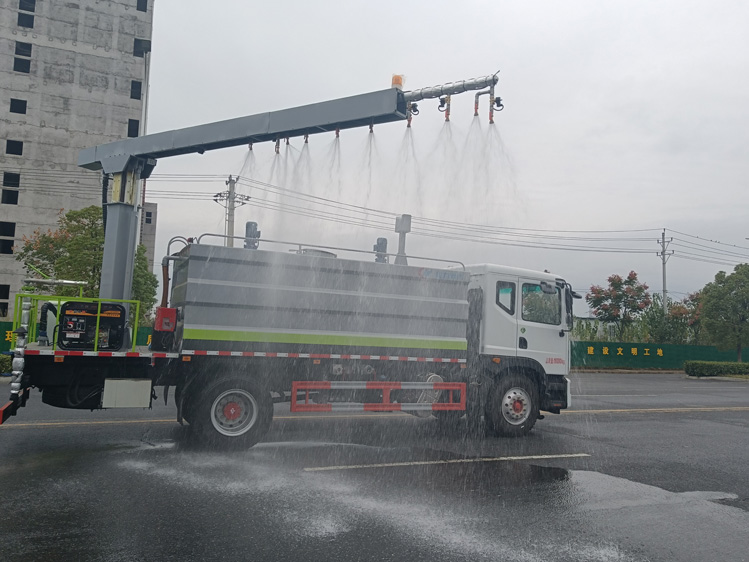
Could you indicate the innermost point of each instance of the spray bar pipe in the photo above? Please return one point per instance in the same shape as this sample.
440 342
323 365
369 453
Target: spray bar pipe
451 88
476 101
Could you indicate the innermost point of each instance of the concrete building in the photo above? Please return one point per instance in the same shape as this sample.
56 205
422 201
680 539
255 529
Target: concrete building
72 75
149 214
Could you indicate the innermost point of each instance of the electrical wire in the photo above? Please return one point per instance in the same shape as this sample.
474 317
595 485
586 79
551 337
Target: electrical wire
331 210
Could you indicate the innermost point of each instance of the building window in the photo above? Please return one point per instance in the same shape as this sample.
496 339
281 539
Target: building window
25 20
22 65
14 147
132 127
149 217
7 229
27 5
4 295
23 49
141 47
9 197
142 6
6 246
135 89
17 106
11 179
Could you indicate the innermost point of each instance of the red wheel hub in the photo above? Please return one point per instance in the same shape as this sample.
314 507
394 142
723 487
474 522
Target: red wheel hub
517 406
232 411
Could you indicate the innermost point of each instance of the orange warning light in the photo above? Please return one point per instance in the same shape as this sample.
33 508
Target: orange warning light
398 81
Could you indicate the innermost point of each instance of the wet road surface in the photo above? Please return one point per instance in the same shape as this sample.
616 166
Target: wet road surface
646 467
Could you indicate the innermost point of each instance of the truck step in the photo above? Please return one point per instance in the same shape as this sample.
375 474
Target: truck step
386 405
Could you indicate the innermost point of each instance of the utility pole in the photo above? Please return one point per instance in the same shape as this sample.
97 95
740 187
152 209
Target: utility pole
231 182
233 200
664 255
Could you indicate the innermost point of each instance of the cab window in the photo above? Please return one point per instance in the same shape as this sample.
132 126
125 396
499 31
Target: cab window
506 296
542 307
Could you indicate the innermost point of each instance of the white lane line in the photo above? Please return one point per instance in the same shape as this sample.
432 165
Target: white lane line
447 461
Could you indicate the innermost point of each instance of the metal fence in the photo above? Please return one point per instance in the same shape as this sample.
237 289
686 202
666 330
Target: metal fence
623 355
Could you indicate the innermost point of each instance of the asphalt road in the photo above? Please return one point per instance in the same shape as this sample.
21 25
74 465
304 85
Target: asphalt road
644 467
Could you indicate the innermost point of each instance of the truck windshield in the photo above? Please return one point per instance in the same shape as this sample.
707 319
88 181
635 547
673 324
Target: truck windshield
541 307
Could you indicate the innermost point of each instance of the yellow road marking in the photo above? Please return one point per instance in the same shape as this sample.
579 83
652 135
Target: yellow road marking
61 424
619 395
660 410
174 420
447 461
393 415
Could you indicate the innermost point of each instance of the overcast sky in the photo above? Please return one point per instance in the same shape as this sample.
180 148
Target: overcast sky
618 115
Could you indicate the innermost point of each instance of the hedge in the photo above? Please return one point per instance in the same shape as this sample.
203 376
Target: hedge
714 368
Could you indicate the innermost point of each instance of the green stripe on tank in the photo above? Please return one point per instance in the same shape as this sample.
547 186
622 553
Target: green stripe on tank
321 339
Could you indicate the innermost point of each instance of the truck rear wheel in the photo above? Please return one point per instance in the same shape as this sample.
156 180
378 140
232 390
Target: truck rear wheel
232 413
513 406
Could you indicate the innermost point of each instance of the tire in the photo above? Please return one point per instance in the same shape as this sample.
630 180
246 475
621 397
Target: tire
513 406
233 413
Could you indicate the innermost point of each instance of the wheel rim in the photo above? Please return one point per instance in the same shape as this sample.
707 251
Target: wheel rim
234 412
516 406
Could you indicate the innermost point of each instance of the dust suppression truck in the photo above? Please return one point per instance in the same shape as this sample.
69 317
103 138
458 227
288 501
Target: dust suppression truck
240 328
246 327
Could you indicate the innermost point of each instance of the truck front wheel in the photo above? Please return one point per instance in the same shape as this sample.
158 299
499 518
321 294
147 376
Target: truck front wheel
232 413
513 406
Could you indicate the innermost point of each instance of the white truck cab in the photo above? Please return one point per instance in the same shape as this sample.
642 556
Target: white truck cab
526 313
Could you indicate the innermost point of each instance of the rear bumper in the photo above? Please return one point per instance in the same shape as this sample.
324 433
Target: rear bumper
11 407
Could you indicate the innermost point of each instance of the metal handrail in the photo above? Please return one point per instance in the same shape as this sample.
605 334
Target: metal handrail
35 299
305 245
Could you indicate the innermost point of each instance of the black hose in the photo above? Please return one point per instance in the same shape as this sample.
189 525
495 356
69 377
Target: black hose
46 307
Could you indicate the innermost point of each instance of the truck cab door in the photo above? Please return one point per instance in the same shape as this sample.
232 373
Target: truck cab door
499 336
541 324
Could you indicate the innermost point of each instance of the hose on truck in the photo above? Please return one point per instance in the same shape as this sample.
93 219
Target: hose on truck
72 396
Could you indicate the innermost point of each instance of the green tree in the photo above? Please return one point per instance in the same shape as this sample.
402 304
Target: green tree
74 251
621 302
725 309
671 328
144 286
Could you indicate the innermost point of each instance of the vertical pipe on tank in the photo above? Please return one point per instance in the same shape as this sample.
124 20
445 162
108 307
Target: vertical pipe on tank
278 146
447 108
491 105
409 115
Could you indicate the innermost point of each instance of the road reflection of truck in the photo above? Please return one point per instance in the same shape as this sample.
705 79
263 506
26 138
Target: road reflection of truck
246 327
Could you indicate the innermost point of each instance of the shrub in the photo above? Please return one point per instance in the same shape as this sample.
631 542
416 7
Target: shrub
5 363
714 368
